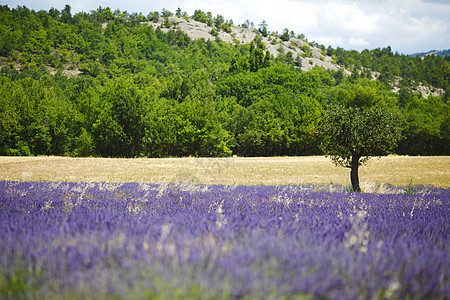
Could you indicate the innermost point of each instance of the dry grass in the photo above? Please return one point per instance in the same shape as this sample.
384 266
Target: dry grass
395 170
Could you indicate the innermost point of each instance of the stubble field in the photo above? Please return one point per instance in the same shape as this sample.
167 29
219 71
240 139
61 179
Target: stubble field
394 170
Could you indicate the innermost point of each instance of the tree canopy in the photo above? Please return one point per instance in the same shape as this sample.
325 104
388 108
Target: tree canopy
105 83
358 127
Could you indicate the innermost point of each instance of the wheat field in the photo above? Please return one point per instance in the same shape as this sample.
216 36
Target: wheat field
394 170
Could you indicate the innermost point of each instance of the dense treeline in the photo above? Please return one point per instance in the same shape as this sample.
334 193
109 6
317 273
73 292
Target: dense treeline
137 91
431 69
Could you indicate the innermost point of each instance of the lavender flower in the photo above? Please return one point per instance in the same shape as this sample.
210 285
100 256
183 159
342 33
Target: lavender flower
101 240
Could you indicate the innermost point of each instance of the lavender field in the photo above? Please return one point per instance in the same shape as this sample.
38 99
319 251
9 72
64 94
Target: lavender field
185 241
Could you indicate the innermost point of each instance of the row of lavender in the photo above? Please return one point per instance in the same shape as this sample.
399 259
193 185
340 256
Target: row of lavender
99 240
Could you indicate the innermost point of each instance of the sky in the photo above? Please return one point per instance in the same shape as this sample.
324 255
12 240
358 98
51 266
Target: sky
408 26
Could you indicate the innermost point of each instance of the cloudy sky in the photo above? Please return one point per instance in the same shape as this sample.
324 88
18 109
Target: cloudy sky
408 26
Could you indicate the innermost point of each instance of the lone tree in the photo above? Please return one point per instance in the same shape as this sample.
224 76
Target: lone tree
354 130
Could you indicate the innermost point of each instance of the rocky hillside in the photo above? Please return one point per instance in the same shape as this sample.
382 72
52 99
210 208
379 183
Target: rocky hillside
433 52
305 55
109 44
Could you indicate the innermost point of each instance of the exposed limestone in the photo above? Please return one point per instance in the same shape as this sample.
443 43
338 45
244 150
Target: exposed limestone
238 35
419 88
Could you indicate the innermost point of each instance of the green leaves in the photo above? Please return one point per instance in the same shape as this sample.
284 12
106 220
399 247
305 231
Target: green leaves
426 129
184 129
277 111
120 128
357 126
373 131
258 58
135 90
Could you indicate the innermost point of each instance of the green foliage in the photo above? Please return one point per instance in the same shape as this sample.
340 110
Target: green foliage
361 132
433 70
195 85
183 129
15 285
361 94
9 115
427 126
119 129
200 16
105 84
359 124
286 35
411 188
307 52
84 144
263 28
256 59
279 111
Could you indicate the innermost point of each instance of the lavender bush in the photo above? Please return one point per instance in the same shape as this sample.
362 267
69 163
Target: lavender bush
134 241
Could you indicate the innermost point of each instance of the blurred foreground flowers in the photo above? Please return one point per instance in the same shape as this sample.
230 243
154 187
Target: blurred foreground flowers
102 240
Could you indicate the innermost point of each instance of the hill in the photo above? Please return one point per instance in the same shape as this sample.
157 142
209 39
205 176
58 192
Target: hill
108 83
305 56
442 53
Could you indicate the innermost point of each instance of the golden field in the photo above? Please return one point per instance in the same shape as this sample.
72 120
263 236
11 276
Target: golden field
395 170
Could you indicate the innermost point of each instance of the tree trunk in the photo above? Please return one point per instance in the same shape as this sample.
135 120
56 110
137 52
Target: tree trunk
354 177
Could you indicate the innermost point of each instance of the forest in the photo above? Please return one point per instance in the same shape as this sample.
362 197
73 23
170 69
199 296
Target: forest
107 84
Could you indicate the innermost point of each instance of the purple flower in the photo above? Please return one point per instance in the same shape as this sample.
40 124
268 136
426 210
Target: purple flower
133 240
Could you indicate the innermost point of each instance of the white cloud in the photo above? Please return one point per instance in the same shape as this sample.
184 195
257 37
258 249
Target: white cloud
358 42
331 40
